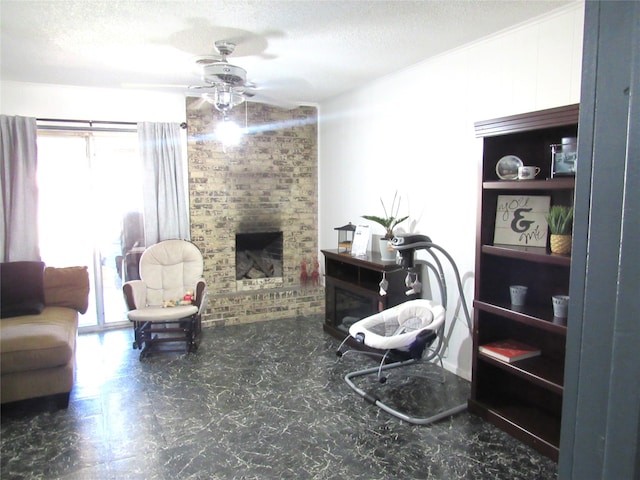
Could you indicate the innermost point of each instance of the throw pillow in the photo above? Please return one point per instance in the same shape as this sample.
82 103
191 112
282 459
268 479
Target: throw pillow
21 288
67 287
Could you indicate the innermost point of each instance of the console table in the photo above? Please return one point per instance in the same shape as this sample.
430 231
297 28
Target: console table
352 290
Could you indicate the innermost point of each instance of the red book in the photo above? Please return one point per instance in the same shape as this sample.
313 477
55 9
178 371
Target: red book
509 350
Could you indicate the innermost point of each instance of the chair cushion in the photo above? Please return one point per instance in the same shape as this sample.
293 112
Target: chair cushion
31 342
160 314
21 288
169 269
67 287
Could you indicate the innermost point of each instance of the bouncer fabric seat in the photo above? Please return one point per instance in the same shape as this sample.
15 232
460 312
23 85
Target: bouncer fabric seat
166 304
400 327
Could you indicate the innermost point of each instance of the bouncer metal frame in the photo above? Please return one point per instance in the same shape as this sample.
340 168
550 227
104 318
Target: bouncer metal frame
407 247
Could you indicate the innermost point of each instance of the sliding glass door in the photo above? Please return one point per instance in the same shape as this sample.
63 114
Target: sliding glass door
90 203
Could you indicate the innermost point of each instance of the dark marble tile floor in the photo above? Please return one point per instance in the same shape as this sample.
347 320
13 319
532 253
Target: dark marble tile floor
258 401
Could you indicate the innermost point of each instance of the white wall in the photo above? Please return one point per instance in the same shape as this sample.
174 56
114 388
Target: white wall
81 103
413 132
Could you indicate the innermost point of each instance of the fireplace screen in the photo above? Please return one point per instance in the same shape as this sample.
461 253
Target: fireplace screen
258 255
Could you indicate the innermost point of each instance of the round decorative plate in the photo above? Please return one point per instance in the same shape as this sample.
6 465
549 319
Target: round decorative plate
507 167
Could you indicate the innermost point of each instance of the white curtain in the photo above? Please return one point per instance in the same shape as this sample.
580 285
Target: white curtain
19 201
166 212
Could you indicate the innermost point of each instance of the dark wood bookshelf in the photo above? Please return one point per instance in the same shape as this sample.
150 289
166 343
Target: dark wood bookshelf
524 398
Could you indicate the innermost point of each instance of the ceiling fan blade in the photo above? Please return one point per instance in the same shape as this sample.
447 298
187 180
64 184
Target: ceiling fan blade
198 88
153 85
203 60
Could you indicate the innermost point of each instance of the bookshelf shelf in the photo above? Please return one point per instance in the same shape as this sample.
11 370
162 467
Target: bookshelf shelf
532 254
529 424
548 184
537 316
540 370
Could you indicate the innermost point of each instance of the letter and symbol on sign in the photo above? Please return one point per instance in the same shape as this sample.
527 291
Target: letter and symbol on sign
520 220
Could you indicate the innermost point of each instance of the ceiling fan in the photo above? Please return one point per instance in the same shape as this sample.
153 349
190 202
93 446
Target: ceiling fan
226 85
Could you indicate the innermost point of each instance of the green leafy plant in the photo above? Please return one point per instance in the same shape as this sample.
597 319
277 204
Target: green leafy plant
560 220
390 219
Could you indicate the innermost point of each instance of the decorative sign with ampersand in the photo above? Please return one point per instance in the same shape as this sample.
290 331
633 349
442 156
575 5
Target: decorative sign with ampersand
521 220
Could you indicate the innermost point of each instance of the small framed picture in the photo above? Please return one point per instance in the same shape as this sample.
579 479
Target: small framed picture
564 159
360 241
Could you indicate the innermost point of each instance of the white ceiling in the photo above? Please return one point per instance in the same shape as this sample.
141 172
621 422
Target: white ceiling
302 51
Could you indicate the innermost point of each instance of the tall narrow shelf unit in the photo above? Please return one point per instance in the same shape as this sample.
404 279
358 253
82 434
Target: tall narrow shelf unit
524 398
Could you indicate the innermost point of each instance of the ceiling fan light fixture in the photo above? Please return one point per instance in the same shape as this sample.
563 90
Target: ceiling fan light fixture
224 97
228 133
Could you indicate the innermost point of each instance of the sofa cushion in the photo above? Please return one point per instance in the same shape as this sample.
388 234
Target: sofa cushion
67 287
31 342
21 288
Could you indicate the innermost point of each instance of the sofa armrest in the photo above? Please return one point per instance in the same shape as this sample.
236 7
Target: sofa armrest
135 294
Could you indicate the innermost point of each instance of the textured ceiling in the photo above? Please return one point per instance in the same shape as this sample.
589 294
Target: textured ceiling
299 51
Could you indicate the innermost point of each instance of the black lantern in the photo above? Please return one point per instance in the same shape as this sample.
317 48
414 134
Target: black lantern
345 237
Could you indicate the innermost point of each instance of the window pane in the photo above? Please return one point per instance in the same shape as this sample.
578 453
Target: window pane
90 183
116 170
64 214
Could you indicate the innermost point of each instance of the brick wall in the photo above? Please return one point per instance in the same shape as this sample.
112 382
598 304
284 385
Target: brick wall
267 183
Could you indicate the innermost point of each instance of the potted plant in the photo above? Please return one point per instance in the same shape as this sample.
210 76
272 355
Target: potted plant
388 222
560 221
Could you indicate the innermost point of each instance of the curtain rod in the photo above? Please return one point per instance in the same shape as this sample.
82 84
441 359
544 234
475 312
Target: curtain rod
183 125
90 122
64 128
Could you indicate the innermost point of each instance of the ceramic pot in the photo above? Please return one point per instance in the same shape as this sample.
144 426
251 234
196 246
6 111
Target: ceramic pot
387 253
560 243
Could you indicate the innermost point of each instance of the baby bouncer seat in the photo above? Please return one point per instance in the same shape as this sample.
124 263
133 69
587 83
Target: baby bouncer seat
406 334
166 304
404 331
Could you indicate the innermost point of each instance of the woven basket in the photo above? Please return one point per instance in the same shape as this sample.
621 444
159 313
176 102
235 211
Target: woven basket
560 243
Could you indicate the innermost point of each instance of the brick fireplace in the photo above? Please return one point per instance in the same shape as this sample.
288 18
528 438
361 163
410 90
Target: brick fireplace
266 184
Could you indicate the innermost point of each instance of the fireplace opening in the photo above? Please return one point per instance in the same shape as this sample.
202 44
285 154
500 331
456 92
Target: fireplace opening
258 255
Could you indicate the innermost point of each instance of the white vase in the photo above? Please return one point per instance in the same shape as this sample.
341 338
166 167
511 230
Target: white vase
387 253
